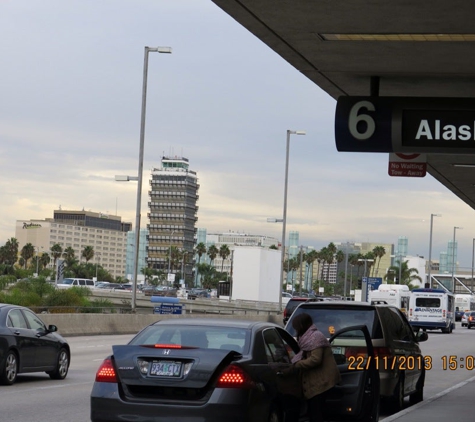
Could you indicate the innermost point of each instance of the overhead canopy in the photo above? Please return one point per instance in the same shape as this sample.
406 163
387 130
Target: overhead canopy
414 49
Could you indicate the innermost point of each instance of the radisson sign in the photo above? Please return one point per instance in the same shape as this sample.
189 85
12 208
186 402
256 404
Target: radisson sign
405 125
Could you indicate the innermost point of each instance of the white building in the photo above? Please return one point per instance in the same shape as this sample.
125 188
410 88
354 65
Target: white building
256 274
107 234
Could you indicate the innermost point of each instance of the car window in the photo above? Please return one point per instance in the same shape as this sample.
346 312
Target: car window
34 322
428 302
330 319
16 319
226 338
276 349
397 328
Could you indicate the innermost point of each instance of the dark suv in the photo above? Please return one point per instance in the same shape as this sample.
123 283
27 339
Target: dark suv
291 305
398 355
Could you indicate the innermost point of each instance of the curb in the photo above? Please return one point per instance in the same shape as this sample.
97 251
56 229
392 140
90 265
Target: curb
425 402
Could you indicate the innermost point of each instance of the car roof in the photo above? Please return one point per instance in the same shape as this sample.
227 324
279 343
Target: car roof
345 303
217 322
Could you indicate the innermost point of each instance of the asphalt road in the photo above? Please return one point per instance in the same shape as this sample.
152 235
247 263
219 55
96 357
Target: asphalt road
36 398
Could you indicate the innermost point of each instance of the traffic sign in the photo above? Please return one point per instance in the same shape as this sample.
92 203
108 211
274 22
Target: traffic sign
407 165
405 125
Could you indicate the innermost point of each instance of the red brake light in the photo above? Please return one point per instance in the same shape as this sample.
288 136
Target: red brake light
106 372
234 377
382 351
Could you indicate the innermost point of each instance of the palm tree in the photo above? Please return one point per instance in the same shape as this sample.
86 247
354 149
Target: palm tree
200 250
87 253
310 258
212 253
69 256
56 251
27 252
378 252
45 259
224 252
408 275
11 251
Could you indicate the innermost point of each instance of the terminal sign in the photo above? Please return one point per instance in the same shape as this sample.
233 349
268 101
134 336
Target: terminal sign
405 125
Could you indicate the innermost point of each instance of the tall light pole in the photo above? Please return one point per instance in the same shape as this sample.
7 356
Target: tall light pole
365 292
430 247
453 259
97 263
170 256
284 215
140 169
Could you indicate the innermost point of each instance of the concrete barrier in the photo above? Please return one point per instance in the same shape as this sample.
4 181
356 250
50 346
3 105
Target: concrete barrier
102 324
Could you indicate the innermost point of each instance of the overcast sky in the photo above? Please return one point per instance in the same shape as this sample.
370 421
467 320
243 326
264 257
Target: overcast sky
70 101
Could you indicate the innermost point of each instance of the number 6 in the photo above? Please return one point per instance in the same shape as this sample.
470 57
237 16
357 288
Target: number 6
355 118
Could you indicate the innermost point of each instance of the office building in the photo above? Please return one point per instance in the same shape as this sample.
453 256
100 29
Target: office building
106 234
172 214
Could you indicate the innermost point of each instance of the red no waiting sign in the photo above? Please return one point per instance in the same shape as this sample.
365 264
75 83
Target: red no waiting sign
407 165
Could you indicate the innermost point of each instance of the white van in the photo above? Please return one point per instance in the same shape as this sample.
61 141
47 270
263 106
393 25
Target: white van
432 309
76 282
393 294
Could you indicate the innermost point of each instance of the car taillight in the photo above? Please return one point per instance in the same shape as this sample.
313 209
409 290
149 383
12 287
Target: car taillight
234 377
410 311
443 313
470 318
382 352
106 372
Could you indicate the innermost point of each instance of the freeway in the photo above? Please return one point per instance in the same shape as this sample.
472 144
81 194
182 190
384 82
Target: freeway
36 398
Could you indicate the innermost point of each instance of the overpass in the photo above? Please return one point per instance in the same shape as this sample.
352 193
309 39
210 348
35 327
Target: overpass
377 48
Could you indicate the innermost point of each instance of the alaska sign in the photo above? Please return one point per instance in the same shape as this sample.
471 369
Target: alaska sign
405 125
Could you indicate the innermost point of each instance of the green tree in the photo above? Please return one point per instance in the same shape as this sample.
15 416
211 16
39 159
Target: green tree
200 250
378 253
212 253
87 253
69 256
27 252
56 251
224 252
45 259
408 275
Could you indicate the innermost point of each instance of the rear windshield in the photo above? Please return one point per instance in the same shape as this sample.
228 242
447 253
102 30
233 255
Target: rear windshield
226 338
428 302
331 319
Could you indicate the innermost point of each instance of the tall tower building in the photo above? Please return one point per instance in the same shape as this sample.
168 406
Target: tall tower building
173 213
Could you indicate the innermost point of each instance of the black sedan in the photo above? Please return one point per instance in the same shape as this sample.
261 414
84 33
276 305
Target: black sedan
209 369
27 345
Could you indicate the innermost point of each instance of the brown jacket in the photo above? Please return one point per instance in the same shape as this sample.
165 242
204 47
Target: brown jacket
319 371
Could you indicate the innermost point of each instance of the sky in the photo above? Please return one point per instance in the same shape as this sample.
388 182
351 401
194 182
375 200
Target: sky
70 103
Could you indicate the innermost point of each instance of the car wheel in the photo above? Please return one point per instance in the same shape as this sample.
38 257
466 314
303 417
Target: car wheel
468 326
418 396
275 415
62 366
397 400
9 371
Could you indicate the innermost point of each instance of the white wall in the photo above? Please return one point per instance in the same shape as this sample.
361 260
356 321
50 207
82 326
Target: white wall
256 274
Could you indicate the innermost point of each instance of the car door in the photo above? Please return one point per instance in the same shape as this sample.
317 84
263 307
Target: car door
24 339
44 342
356 397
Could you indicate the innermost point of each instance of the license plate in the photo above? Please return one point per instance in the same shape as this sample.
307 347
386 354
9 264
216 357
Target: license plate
166 369
338 350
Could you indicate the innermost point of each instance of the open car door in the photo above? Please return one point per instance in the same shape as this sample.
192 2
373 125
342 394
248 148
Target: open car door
356 397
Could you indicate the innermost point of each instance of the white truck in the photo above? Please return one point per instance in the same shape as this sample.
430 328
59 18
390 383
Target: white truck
392 294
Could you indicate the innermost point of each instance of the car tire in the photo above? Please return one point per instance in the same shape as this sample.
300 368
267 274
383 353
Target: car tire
9 371
275 415
418 395
468 326
62 366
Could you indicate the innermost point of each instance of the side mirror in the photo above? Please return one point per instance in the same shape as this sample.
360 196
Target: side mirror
422 336
52 328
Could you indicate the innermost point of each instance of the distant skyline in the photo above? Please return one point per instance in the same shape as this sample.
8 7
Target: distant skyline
70 121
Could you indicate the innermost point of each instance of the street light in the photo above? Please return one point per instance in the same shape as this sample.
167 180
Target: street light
430 246
140 169
97 263
284 215
453 259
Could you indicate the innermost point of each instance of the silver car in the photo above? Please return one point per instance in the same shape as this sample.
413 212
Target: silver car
464 319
